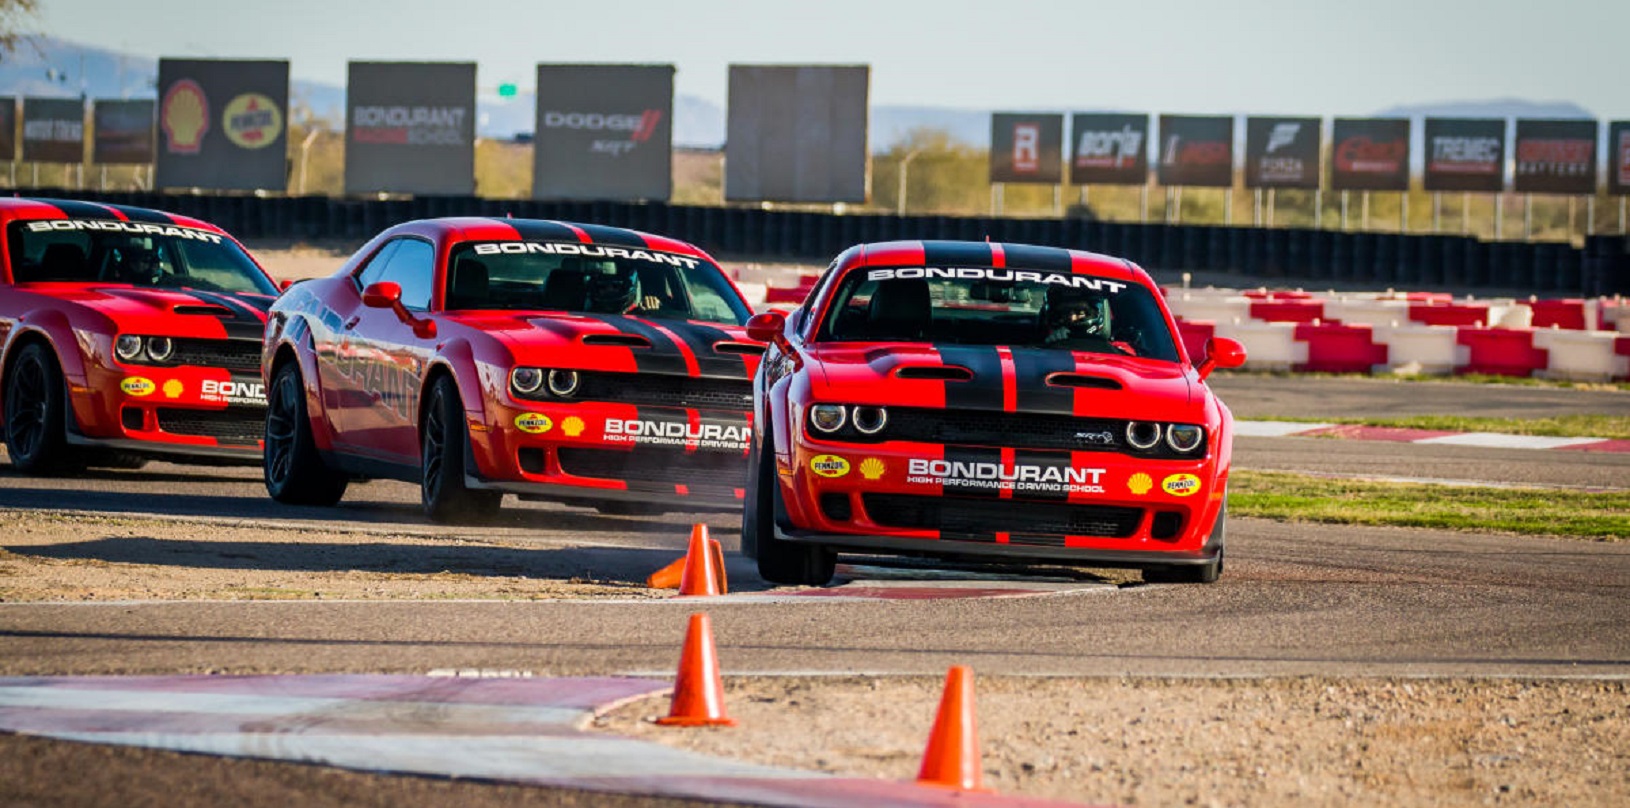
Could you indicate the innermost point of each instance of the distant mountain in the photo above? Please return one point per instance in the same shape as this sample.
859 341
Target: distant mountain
1493 108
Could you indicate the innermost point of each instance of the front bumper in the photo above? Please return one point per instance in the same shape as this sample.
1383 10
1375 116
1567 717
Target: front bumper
954 548
185 410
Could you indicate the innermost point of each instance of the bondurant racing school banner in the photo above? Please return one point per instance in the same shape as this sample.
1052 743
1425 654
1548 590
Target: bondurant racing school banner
410 128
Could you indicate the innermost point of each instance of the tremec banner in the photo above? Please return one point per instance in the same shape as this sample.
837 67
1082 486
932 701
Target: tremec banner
1618 156
604 132
1027 147
221 124
1465 154
1283 152
122 132
53 130
797 133
1196 150
8 128
1555 157
1369 154
410 128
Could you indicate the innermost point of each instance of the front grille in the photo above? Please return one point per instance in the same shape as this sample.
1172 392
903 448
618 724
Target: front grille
232 425
979 518
242 355
662 390
1018 430
656 465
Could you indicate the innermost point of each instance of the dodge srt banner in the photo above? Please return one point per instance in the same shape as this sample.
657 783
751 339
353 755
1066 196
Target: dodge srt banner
123 132
410 128
1618 157
604 132
1109 149
221 124
1026 147
797 133
1369 154
1282 152
1197 150
1464 154
8 128
1556 157
53 130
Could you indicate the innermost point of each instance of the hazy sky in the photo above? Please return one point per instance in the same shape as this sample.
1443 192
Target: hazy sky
1317 57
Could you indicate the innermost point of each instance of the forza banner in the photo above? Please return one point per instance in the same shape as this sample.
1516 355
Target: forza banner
797 133
1369 154
1283 152
8 128
1026 148
1197 150
1618 157
53 130
604 132
122 132
410 128
1555 157
1465 154
1109 149
222 124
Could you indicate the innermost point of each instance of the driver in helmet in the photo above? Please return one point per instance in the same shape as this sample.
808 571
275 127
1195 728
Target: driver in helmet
614 290
1077 317
140 266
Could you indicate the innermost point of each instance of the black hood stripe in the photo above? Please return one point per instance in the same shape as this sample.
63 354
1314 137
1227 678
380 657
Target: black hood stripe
144 215
984 390
614 236
662 357
1026 256
75 209
700 339
534 230
246 321
957 254
1031 367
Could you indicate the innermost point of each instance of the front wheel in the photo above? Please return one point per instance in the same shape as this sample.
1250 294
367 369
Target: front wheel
779 561
36 414
442 443
294 471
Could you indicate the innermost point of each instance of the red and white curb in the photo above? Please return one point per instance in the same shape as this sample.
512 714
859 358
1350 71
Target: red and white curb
520 730
1490 440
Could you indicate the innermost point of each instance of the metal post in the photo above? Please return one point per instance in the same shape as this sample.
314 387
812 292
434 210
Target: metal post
995 199
1318 208
1177 207
104 183
1228 206
1403 213
1465 214
1527 217
1590 215
1571 215
1499 217
1344 197
1256 208
1143 205
1437 212
1083 197
1621 215
1058 200
36 175
1364 205
1270 206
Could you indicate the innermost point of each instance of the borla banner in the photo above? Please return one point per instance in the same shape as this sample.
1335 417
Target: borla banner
1109 149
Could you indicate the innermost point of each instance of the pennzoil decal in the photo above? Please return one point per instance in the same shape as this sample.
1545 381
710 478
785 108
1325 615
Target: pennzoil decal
1139 483
534 423
1021 476
1180 485
872 469
674 433
829 465
138 386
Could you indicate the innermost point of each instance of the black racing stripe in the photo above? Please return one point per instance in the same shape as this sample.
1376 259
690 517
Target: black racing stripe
957 254
984 390
969 454
1026 256
1057 460
75 209
538 230
615 236
662 357
245 322
144 214
701 339
1031 368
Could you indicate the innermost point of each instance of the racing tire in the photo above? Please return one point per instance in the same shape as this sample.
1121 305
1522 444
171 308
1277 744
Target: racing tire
36 415
779 561
443 443
1206 573
294 471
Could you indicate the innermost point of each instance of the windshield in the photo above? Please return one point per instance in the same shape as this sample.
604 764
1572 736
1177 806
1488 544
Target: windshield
984 306
590 279
137 253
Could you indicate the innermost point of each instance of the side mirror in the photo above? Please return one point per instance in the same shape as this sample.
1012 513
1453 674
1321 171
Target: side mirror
283 285
767 327
1221 352
382 295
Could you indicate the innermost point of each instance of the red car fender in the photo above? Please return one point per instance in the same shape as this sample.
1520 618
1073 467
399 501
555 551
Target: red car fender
54 327
457 358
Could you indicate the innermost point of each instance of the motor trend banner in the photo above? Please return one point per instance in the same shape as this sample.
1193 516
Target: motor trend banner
797 133
1555 157
1618 157
604 132
1369 154
222 124
53 130
1196 150
1027 148
1109 149
8 128
1465 154
122 132
410 128
1283 152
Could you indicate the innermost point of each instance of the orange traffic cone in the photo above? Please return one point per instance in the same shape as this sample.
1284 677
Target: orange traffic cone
667 577
698 693
952 757
673 575
704 565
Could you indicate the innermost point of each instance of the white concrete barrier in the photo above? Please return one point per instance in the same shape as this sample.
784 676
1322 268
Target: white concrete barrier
1221 309
1423 349
1512 315
1268 346
1368 311
1581 355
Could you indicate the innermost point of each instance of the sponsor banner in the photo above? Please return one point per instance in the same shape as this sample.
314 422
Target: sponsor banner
1555 157
1465 154
246 391
675 433
1618 157
1026 148
1018 477
1109 149
1283 152
122 132
797 133
53 130
604 132
8 128
1196 150
221 124
410 128
1369 154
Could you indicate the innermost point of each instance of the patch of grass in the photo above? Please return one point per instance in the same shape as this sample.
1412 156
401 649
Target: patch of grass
1559 426
1301 498
1466 378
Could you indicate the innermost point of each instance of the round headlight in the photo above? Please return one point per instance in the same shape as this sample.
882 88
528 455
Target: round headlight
827 417
159 349
127 347
526 380
563 383
1184 437
1142 434
870 420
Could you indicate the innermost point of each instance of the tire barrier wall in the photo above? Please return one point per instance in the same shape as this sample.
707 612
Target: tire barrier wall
1601 267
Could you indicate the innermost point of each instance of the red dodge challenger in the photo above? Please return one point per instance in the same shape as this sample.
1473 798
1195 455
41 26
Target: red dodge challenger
970 399
477 356
126 332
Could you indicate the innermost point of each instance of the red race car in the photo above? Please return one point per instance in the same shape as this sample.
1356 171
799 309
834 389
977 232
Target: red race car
479 356
969 399
127 332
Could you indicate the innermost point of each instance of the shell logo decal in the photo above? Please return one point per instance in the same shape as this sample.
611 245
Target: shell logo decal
829 465
1180 485
184 116
138 386
173 388
572 426
1139 483
533 423
872 469
252 121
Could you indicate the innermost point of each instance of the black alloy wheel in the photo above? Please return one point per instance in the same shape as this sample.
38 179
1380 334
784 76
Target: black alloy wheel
779 561
36 414
442 441
294 471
